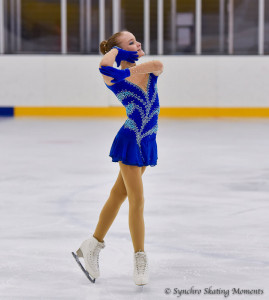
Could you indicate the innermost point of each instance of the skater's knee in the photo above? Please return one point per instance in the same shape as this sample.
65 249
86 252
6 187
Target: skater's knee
118 194
136 202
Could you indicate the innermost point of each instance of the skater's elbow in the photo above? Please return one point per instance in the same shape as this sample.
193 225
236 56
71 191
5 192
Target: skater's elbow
158 65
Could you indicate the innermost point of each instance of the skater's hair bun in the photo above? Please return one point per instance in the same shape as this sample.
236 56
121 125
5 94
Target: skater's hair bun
106 45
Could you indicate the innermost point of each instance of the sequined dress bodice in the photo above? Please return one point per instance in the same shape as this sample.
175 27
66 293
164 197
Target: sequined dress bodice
135 142
142 108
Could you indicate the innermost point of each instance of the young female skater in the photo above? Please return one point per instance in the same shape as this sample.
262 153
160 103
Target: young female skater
134 146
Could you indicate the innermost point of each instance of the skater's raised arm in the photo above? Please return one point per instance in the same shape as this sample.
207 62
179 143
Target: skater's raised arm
109 58
119 75
154 66
109 73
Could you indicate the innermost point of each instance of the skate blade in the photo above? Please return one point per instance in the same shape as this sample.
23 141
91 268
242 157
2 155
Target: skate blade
82 268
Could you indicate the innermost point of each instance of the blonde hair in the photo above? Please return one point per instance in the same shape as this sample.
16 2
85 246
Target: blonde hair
106 45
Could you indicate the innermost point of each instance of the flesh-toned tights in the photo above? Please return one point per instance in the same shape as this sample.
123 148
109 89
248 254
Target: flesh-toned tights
129 183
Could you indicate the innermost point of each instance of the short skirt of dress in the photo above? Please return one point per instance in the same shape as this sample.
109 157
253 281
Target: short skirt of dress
125 148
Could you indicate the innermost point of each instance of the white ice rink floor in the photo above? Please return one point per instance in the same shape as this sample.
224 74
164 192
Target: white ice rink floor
206 210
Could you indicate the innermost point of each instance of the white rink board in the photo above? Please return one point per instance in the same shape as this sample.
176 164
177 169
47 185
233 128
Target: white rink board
187 81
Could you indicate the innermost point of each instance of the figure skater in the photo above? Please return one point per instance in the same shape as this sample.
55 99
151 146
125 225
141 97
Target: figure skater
134 147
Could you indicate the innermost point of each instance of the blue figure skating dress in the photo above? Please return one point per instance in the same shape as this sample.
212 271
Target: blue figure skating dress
135 143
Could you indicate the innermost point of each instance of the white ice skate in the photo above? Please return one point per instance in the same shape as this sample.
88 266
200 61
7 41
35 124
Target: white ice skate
90 250
140 275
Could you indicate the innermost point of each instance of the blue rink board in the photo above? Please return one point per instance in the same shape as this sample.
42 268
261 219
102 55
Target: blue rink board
6 111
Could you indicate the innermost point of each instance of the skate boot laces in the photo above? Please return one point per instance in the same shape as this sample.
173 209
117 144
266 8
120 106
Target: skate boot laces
141 262
97 251
93 256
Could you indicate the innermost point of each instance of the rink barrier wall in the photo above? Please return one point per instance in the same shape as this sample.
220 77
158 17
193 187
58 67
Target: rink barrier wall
6 111
190 86
169 112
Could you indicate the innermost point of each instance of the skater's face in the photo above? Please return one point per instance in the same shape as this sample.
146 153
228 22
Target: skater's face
128 42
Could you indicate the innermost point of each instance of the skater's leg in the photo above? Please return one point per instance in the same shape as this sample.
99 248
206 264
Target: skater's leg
132 176
110 210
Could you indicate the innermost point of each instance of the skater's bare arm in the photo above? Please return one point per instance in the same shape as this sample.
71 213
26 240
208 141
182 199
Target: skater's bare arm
109 58
154 66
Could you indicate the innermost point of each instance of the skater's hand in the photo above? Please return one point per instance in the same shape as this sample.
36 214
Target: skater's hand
118 75
129 56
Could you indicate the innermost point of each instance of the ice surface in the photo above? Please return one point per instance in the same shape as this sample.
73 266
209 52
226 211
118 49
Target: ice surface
206 209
